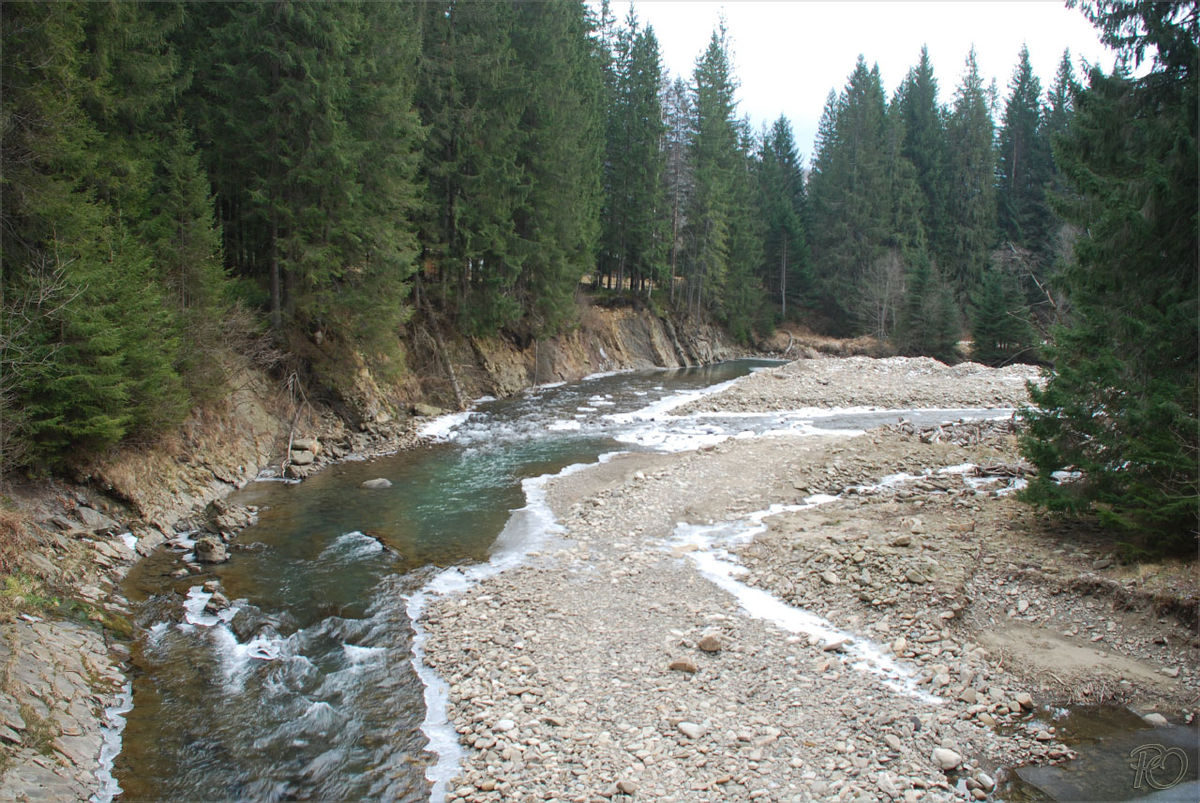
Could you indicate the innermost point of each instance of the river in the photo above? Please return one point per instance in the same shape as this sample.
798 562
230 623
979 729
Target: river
305 687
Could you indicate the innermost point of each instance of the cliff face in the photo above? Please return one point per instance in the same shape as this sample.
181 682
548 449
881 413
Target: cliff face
231 442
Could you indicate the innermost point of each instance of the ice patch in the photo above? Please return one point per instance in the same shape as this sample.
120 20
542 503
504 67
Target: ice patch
564 426
129 539
110 746
715 563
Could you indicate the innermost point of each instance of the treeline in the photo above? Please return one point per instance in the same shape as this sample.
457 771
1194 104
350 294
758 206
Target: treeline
177 173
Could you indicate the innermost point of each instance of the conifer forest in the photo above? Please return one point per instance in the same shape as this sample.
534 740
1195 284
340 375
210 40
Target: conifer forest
181 178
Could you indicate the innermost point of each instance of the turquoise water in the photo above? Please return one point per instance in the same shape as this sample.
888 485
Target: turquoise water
304 688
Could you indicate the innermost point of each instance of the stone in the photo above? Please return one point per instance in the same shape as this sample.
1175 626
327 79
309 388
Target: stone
1025 700
830 578
149 540
946 758
505 725
302 457
684 665
969 696
626 787
94 520
1156 719
211 550
902 540
427 410
1171 671
915 577
893 741
377 484
986 719
691 730
710 642
306 445
1044 736
900 645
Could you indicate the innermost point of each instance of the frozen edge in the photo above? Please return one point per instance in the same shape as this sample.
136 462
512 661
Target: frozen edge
111 730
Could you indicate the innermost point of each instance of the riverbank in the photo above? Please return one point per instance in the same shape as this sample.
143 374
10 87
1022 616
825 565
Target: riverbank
629 657
66 545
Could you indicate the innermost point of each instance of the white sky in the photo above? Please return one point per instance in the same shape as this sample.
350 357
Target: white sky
788 54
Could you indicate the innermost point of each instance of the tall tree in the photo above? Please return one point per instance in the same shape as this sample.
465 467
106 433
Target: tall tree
715 162
971 195
1023 166
783 199
560 156
678 120
1120 405
632 242
470 99
925 146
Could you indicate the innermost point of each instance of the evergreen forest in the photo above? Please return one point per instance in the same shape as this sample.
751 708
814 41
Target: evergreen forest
182 178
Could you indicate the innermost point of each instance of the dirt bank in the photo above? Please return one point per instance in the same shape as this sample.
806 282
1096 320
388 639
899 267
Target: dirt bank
612 664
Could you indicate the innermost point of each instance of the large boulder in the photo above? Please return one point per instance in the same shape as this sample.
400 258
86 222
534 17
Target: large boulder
211 550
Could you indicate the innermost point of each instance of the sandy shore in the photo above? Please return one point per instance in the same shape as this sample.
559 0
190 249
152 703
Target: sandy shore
889 631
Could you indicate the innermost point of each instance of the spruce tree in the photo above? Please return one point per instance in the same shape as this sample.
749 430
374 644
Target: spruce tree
1120 405
971 195
1023 164
925 146
715 162
785 265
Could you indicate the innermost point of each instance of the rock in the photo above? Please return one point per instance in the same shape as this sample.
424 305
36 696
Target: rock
1025 700
900 645
626 787
902 540
915 577
1101 563
94 520
710 642
505 725
969 696
211 550
377 483
684 665
691 730
306 445
302 457
427 410
149 540
946 759
1044 736
1171 671
986 782
830 578
1156 719
1022 605
987 719
893 741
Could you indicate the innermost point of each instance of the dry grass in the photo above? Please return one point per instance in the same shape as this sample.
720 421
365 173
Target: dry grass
14 540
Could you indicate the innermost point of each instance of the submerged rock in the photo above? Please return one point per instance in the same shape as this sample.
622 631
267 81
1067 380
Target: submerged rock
377 483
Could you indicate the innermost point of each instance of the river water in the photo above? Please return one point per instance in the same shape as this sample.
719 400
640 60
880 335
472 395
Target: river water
305 687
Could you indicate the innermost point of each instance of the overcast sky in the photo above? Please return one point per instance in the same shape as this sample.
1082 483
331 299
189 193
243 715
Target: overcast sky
787 55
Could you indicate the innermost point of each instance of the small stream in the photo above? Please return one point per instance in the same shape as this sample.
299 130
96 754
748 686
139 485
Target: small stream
305 686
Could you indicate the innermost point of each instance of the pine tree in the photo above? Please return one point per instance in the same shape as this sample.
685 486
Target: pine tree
1000 322
971 195
560 155
632 241
1120 405
783 199
1023 166
470 99
925 146
677 147
714 158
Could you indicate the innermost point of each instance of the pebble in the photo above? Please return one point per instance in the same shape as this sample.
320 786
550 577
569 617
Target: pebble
946 758
691 730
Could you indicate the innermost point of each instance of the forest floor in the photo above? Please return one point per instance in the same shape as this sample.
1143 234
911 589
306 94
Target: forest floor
902 639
